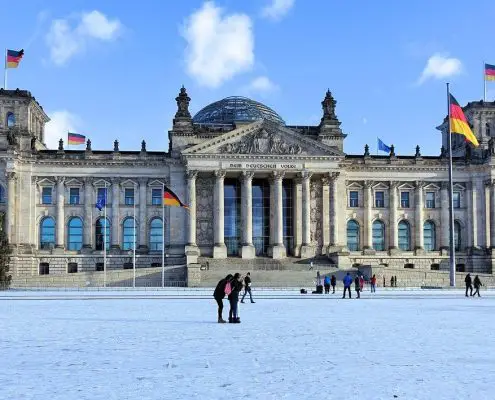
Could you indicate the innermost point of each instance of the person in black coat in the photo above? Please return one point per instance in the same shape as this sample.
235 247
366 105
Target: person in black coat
236 285
468 283
477 284
247 288
219 294
333 282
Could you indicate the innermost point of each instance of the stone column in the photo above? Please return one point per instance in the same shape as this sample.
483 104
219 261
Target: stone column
368 200
115 240
220 250
325 212
486 209
393 223
278 248
143 223
444 217
60 237
418 220
334 212
192 251
10 216
307 250
472 223
297 216
248 250
88 207
492 214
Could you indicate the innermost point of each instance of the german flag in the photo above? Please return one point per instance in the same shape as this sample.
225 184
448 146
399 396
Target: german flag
489 72
458 122
13 58
171 199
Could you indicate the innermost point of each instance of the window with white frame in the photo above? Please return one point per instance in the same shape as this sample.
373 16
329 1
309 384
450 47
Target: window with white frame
430 199
379 199
129 196
404 200
353 198
457 199
46 195
156 197
74 196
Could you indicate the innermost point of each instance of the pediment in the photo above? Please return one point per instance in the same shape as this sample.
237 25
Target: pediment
128 183
46 182
156 182
380 185
406 186
73 182
354 185
432 186
102 183
263 138
459 187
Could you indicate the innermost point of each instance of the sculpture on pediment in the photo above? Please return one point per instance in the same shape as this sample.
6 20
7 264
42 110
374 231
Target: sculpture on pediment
183 104
12 138
262 142
328 105
33 143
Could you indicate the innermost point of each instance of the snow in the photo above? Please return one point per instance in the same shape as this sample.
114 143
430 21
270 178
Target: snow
166 344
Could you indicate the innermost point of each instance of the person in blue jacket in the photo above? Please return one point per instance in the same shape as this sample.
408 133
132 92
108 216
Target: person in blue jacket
326 283
347 284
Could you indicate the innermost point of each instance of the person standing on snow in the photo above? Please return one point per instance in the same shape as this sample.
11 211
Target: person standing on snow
347 284
373 284
219 294
247 288
236 285
477 284
326 283
333 282
357 287
468 282
361 283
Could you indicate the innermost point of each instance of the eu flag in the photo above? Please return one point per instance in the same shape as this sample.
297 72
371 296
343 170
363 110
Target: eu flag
382 146
101 202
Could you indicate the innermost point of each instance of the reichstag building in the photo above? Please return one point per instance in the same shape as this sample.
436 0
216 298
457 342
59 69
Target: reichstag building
257 188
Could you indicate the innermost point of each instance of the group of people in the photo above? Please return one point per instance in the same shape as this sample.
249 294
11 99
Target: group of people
469 285
231 286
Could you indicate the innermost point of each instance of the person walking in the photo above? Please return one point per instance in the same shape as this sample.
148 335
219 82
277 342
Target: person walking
373 284
236 285
219 294
347 284
361 283
357 286
333 282
395 280
326 283
392 281
247 288
469 285
477 285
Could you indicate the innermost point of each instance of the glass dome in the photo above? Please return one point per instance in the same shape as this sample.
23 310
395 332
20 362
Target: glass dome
235 109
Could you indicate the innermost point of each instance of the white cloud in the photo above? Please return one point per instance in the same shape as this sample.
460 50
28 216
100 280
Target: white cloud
66 40
277 9
439 66
60 123
218 46
262 84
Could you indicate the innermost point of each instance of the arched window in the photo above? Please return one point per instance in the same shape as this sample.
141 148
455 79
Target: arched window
75 234
429 235
102 234
352 235
404 236
10 120
128 232
2 195
47 233
457 236
156 234
378 236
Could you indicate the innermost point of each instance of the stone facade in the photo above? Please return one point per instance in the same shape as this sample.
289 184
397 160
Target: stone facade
383 211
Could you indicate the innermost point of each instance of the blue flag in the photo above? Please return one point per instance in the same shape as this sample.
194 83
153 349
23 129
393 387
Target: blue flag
382 146
101 202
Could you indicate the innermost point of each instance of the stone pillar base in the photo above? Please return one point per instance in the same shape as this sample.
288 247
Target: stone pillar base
192 254
86 249
278 252
307 251
193 275
142 249
248 251
394 251
220 251
419 251
444 251
331 249
369 251
58 250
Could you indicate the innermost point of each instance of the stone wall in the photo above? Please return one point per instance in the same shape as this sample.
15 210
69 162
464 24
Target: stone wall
204 213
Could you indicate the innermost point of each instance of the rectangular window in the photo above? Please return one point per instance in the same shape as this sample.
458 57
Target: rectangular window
457 199
44 268
72 268
74 196
129 197
404 199
128 265
379 199
156 197
99 267
46 195
353 199
430 199
101 195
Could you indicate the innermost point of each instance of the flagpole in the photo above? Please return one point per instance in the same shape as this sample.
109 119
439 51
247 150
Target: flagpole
134 245
451 199
484 82
163 237
5 71
105 239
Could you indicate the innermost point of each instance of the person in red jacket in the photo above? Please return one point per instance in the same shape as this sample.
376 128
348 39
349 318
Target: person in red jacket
361 283
373 284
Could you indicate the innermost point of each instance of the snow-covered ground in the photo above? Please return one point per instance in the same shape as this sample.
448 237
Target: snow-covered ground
167 345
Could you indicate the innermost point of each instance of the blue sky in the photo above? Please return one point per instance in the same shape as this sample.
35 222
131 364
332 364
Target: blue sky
112 69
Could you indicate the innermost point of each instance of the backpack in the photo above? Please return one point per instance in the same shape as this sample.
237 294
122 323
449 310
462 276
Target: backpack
228 288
